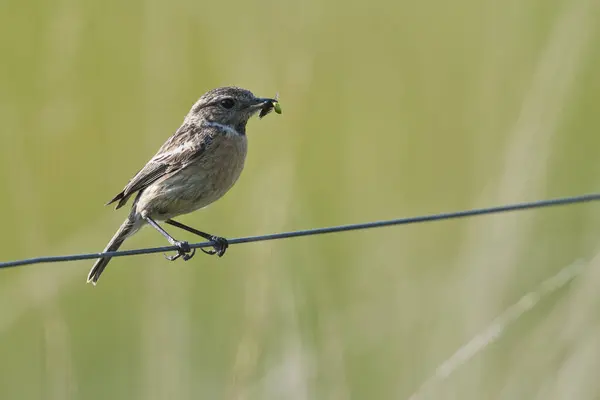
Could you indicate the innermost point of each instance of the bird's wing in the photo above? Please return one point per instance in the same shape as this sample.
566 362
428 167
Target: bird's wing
178 151
146 176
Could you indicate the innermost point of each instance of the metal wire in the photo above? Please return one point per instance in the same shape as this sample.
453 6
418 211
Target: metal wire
319 231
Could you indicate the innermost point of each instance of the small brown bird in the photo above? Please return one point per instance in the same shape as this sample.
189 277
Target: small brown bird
195 167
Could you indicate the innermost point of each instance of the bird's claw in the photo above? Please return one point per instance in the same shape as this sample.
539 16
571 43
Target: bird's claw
183 250
220 245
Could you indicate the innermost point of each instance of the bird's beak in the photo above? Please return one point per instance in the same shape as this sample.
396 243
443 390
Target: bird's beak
261 101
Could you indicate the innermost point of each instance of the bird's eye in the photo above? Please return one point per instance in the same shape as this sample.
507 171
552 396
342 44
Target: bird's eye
227 103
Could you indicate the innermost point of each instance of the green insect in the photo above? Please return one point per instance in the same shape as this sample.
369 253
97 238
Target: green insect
270 106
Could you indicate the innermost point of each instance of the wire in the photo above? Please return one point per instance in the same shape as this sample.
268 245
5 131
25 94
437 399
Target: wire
319 231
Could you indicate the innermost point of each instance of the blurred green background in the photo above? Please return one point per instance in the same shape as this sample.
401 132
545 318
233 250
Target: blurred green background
390 109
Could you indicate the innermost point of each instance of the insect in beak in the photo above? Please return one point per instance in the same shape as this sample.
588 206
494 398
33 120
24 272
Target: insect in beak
270 105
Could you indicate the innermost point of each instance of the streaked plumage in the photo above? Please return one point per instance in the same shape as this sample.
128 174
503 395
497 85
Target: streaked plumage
193 168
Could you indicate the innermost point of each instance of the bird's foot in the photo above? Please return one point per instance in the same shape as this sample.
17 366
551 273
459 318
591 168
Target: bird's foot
220 245
183 250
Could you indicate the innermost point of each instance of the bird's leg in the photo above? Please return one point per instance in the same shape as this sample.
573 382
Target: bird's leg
220 244
183 248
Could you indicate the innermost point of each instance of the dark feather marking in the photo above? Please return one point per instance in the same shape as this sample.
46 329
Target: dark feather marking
165 161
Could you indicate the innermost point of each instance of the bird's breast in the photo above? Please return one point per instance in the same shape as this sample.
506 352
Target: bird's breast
223 163
199 183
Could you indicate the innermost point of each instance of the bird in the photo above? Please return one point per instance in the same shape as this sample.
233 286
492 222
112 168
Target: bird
196 166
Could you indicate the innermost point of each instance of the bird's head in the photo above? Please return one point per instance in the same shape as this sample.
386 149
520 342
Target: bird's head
229 106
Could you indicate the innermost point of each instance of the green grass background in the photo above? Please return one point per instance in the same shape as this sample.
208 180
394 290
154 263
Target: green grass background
390 109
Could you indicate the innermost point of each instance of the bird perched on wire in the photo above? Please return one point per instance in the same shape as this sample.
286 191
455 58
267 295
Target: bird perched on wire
195 167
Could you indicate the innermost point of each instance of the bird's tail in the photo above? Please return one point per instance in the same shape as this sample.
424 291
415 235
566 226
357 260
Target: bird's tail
128 228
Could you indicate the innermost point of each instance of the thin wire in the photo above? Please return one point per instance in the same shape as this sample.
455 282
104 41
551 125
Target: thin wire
319 231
